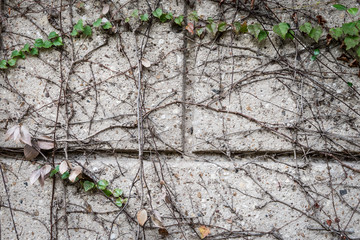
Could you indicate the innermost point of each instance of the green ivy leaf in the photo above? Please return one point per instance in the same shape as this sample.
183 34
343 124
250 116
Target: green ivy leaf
87 31
281 29
262 35
74 33
119 202
351 41
157 13
88 185
117 192
212 28
199 31
102 184
107 192
48 44
58 42
127 20
316 33
350 29
313 58
107 25
135 13
169 16
352 11
222 26
306 28
79 26
54 171
336 33
290 34
34 51
65 175
255 29
349 84
26 48
144 17
240 28
52 35
3 64
339 7
97 23
12 62
163 18
39 43
15 53
194 16
179 20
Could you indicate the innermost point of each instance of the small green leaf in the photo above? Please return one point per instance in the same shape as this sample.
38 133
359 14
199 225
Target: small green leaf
316 33
52 35
316 52
119 202
212 28
351 41
281 29
3 64
163 18
306 28
313 58
127 20
240 28
144 17
339 7
34 51
262 35
194 16
199 31
117 192
65 175
107 192
74 33
15 53
350 29
179 20
135 13
169 16
255 29
102 184
352 11
97 23
349 84
87 31
47 44
79 26
157 13
12 62
26 48
336 33
88 185
54 171
58 42
290 34
107 25
222 26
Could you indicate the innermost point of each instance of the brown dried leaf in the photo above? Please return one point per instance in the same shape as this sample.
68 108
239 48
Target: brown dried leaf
163 232
156 219
63 167
10 132
30 153
74 173
45 169
34 176
25 136
204 231
46 143
190 28
146 63
105 9
141 217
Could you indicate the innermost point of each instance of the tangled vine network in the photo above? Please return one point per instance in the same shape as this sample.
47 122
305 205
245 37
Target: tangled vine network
180 119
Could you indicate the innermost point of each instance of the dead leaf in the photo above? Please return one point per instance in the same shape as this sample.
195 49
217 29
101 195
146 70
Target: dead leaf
18 133
146 63
30 153
34 176
74 173
163 232
141 217
43 172
204 231
328 222
45 143
63 167
156 219
11 132
25 136
190 28
105 9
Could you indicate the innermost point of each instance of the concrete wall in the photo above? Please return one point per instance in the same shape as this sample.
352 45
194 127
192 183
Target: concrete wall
248 140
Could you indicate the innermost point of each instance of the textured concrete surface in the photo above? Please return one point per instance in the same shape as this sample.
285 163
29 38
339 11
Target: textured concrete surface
249 140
